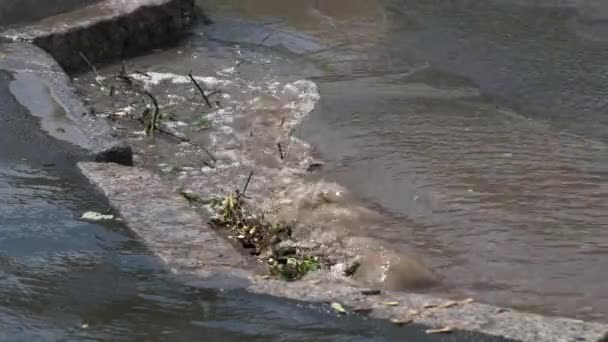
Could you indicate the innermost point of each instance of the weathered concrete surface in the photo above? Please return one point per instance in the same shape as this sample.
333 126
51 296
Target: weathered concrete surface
107 30
183 240
163 219
19 11
97 137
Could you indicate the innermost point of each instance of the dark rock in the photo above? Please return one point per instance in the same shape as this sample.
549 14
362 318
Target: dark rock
106 31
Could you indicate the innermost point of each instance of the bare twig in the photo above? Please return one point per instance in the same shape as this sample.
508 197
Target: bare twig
178 136
281 154
152 125
143 73
247 183
265 39
215 92
97 76
123 75
209 154
200 90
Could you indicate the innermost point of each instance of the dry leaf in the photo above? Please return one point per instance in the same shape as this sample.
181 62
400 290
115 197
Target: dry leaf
444 330
413 312
429 306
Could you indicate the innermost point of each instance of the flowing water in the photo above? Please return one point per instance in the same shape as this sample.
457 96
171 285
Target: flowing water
478 127
65 279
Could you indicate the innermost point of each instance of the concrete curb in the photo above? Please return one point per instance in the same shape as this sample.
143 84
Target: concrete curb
190 247
99 139
107 30
101 32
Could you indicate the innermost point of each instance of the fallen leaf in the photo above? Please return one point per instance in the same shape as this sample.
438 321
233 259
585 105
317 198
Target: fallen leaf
94 216
429 306
338 307
444 330
413 312
394 303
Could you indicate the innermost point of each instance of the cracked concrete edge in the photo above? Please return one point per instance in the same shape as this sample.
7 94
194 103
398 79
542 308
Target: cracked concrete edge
184 241
106 31
102 143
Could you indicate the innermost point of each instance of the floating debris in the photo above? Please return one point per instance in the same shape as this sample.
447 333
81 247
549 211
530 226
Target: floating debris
338 308
402 321
370 292
452 303
263 238
444 330
392 303
95 216
192 197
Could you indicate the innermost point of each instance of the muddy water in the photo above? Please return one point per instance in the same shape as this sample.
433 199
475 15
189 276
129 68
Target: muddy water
65 279
479 127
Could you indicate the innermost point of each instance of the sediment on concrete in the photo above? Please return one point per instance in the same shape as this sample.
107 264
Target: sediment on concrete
105 31
102 142
183 240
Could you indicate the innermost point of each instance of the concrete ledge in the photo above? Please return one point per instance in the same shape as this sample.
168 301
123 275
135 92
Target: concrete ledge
190 247
107 30
163 219
87 131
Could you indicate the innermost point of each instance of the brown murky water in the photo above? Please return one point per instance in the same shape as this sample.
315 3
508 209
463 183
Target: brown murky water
479 127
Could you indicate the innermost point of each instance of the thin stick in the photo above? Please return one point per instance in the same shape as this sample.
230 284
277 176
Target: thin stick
208 153
265 39
247 183
90 66
214 93
152 126
281 151
123 75
177 136
200 90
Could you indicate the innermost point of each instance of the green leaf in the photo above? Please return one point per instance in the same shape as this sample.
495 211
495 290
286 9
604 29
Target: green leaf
338 307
